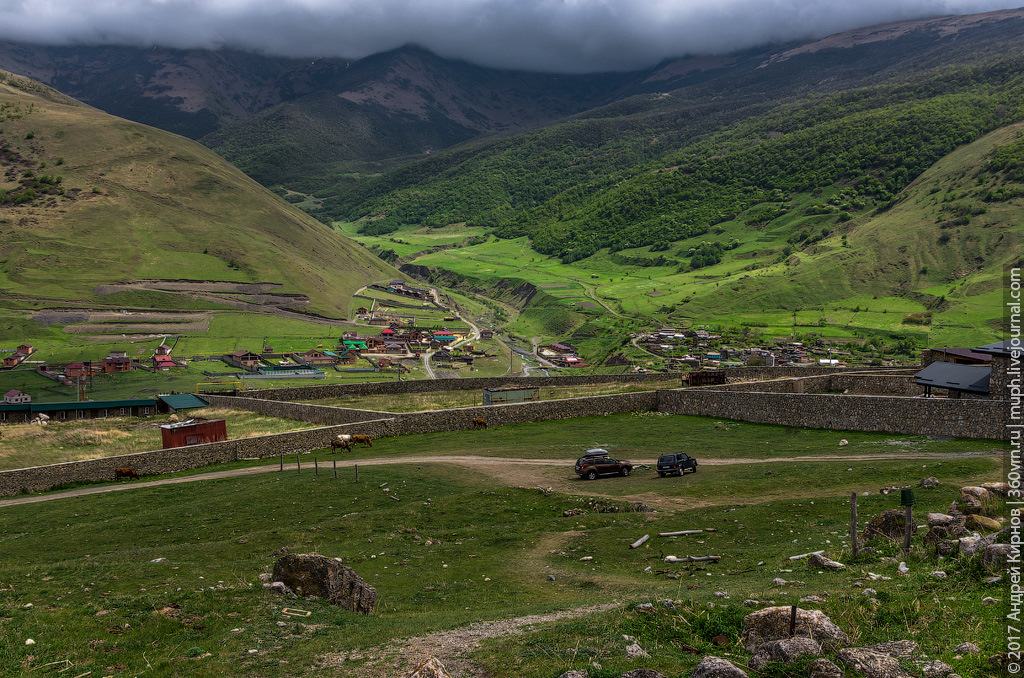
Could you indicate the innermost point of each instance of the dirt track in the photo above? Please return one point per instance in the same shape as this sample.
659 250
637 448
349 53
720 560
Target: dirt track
464 460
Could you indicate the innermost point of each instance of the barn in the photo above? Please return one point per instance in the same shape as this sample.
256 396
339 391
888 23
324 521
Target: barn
193 432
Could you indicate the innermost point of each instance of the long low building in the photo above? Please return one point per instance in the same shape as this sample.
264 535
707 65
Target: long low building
87 409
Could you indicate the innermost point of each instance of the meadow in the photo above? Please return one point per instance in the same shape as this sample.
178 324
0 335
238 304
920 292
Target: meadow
469 541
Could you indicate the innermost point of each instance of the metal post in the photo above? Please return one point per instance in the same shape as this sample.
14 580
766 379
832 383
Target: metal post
792 621
298 462
853 523
335 467
357 473
282 462
316 467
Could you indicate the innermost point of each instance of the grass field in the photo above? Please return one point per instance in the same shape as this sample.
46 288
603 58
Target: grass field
475 542
26 445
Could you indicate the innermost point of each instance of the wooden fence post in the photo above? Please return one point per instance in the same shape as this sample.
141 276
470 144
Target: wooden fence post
907 529
357 473
282 462
298 462
316 467
335 467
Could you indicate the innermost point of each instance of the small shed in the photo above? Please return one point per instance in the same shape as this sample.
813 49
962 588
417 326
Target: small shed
193 432
511 394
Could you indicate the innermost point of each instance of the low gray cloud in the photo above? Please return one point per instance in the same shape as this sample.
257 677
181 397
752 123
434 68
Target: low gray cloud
548 35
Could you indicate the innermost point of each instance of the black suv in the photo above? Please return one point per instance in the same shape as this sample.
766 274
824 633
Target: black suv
676 462
597 463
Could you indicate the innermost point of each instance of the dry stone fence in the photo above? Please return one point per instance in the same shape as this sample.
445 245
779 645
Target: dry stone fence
776 399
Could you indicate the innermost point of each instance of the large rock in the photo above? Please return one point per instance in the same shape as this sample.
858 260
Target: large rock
871 664
310 574
996 556
973 544
979 492
713 667
1001 489
936 669
901 649
967 503
982 523
930 482
772 623
786 651
432 668
824 668
888 524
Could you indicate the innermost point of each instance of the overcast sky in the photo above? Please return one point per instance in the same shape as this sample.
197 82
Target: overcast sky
549 35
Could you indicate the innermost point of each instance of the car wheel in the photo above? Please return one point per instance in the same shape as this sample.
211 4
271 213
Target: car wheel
591 475
694 469
661 473
624 472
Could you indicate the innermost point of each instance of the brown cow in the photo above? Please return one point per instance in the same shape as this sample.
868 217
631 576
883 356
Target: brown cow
479 422
341 444
126 472
359 438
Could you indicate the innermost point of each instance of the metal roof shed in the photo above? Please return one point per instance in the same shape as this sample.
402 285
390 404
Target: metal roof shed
957 379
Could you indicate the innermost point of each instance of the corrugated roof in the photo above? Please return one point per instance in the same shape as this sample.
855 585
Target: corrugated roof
184 401
1001 347
90 405
970 378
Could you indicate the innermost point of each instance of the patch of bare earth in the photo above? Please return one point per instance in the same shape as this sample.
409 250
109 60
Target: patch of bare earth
452 647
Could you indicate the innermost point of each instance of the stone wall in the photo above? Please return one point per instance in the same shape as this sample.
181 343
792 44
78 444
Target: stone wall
917 416
842 382
313 414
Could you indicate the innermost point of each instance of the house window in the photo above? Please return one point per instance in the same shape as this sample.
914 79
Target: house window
191 440
106 413
3 416
124 411
81 414
63 415
145 410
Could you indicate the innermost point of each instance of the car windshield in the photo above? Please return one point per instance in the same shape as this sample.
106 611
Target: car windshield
666 458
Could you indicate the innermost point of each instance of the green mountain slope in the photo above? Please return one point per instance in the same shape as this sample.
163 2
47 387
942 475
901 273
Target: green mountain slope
88 199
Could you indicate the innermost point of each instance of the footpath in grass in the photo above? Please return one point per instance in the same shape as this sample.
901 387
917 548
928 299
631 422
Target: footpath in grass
464 543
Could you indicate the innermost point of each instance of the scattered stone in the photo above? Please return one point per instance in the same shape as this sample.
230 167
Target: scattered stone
989 600
824 668
1002 489
750 602
281 551
29 641
939 519
993 580
431 668
903 569
936 669
668 605
844 442
996 556
281 624
310 574
159 560
872 664
878 577
772 623
974 491
265 577
818 600
640 507
947 547
976 521
280 587
639 673
967 648
786 650
779 581
901 649
929 482
644 608
721 594
889 524
573 512
586 559
869 592
714 667
966 504
939 574
820 560
973 544
721 640
574 674
889 490
551 577
634 651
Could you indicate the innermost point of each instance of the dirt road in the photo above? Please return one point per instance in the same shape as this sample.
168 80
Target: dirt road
496 463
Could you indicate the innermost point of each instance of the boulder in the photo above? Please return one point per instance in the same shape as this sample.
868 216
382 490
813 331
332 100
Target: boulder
310 574
871 664
996 556
967 648
947 547
786 651
714 667
640 507
901 649
936 669
574 674
644 608
824 668
281 588
973 544
639 673
822 561
939 519
772 623
1001 489
929 482
432 668
888 524
634 651
976 521
977 492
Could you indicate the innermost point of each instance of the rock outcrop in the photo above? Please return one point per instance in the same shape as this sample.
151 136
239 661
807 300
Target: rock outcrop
310 574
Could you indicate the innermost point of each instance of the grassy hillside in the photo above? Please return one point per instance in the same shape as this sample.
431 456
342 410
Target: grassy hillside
88 199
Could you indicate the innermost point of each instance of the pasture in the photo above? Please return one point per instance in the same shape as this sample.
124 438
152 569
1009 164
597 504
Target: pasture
472 538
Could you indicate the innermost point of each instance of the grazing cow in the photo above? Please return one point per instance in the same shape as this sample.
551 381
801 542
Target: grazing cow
126 472
359 438
479 422
341 444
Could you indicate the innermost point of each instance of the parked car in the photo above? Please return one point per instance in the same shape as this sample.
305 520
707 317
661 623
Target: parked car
676 462
597 463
